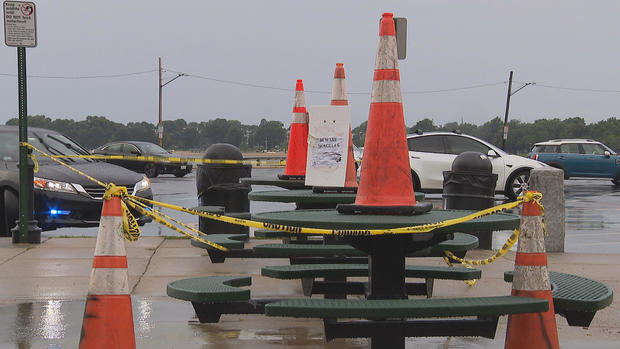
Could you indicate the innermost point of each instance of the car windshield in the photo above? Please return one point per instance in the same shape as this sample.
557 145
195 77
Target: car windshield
151 148
51 143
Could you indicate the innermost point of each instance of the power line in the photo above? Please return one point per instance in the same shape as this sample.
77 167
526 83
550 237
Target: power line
85 76
329 92
576 89
254 85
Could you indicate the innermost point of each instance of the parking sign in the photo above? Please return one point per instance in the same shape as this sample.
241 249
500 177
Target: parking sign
20 24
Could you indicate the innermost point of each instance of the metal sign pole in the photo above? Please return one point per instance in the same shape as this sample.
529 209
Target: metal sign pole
20 30
26 230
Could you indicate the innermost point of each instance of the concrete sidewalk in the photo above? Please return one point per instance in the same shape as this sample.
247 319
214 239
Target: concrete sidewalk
58 272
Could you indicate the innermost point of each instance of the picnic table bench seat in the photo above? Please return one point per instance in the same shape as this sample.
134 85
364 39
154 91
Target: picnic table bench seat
389 317
230 241
335 284
306 253
212 296
575 297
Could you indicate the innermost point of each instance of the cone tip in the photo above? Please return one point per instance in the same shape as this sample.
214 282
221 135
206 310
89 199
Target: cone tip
388 14
300 85
339 64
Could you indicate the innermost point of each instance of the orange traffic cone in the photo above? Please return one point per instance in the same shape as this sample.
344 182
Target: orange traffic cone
339 97
531 279
108 318
385 179
298 138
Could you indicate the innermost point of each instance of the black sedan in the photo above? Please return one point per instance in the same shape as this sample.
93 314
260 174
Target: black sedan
62 198
150 168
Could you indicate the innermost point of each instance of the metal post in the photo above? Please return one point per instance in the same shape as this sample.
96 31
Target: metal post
26 230
159 125
506 114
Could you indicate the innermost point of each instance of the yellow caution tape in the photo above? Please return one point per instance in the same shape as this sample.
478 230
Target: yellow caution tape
138 204
163 219
171 159
131 230
35 162
512 239
336 232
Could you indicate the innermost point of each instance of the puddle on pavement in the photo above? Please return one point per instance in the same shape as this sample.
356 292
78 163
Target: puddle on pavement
161 324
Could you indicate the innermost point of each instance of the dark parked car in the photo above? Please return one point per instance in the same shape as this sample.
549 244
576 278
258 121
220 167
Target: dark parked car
62 198
150 168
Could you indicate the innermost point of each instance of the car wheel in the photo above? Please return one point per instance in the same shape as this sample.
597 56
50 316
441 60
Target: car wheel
180 174
415 181
150 170
616 181
517 184
9 212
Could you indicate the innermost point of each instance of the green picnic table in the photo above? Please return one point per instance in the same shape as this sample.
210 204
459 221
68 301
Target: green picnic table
275 181
307 198
387 253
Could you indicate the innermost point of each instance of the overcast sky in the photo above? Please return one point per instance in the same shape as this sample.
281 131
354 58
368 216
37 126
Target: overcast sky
566 47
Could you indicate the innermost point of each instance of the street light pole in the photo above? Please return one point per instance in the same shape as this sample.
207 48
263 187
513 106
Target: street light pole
160 125
508 106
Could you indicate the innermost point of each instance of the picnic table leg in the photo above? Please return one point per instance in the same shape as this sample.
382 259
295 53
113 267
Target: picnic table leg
386 269
386 280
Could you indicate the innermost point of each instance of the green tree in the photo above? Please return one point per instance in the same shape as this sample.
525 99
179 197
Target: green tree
359 134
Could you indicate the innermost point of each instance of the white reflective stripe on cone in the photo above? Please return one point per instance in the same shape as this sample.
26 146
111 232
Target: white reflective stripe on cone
339 91
529 235
110 240
387 56
300 118
300 99
531 278
386 91
108 281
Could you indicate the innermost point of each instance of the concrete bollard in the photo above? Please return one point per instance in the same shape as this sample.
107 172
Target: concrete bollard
550 182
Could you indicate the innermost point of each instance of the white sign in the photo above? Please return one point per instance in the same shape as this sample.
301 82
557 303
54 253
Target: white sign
20 24
328 143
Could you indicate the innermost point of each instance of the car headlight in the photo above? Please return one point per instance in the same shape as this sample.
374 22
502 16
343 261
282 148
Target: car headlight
144 184
50 185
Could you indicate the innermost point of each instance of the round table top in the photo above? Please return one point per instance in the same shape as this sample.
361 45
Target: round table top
275 181
331 219
307 196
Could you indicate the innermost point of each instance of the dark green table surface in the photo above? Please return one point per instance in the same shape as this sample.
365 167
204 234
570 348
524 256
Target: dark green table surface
307 196
275 181
331 219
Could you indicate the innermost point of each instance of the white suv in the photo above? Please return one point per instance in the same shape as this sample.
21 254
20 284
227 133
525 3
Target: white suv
431 153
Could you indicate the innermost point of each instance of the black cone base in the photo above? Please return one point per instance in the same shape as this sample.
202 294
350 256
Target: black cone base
419 208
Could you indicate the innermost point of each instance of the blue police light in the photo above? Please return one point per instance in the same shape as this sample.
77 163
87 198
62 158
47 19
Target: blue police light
55 212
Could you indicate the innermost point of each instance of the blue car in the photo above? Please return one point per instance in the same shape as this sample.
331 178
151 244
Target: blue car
579 158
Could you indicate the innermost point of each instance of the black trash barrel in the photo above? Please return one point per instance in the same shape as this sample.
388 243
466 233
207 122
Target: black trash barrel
218 185
470 185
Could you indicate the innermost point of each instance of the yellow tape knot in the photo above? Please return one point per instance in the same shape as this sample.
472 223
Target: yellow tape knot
114 190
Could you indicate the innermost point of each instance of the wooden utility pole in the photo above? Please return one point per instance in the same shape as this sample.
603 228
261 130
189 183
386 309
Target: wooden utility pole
506 113
510 93
160 126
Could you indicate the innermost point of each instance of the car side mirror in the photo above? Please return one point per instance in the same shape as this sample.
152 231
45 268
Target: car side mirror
492 153
607 154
